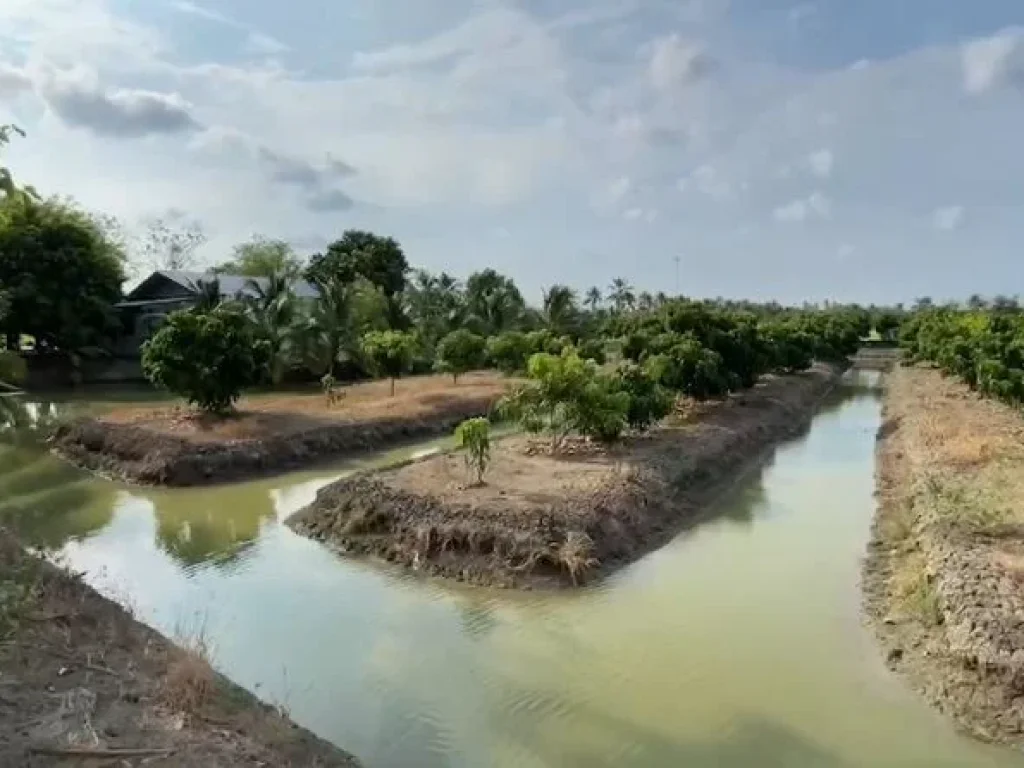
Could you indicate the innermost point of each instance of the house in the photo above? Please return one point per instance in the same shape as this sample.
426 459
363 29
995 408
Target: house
145 307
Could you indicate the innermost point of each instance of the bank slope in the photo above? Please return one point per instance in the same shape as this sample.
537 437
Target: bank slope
543 520
944 576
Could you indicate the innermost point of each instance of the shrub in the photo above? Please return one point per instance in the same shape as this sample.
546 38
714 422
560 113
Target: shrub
460 351
567 394
649 402
593 349
388 353
474 435
508 351
205 357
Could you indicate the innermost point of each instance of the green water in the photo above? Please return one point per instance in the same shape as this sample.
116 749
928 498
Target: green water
738 644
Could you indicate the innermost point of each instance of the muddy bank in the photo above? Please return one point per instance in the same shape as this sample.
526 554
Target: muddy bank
142 454
83 683
546 521
944 576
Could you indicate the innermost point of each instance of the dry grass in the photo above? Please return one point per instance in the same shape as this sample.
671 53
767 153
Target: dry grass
915 592
190 683
257 416
576 555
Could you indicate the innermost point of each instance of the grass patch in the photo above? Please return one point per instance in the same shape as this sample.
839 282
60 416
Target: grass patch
915 591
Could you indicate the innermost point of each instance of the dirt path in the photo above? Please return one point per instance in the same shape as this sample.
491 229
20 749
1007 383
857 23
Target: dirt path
551 521
944 576
84 684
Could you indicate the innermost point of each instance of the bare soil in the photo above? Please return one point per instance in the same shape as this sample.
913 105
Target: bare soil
944 576
179 446
543 520
84 684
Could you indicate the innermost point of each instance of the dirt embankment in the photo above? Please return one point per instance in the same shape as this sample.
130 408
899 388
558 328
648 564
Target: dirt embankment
944 576
174 446
543 521
84 684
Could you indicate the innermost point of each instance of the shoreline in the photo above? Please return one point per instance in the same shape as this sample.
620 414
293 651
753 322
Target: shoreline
142 456
83 680
942 580
582 517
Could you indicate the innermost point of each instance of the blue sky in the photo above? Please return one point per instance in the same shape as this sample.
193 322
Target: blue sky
792 150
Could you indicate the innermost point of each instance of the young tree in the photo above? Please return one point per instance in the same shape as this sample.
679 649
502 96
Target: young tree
509 351
379 260
459 352
61 276
388 353
262 257
474 436
205 357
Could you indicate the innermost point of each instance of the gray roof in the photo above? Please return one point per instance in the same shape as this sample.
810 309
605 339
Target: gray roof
232 285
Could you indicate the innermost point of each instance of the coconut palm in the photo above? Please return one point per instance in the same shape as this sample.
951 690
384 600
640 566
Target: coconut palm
593 298
327 335
621 295
560 311
272 306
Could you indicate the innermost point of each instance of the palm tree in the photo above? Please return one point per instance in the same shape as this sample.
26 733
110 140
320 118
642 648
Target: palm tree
328 333
560 308
594 298
272 306
645 301
621 295
208 296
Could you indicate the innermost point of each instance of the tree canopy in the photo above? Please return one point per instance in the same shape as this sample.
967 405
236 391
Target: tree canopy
60 275
262 257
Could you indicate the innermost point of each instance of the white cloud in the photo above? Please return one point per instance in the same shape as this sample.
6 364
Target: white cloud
815 205
13 80
821 163
993 61
948 218
633 214
257 42
707 180
844 252
676 63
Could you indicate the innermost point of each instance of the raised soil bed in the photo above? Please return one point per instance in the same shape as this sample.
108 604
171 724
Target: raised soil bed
175 446
944 576
548 521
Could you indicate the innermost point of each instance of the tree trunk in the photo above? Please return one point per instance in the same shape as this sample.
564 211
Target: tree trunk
455 378
392 387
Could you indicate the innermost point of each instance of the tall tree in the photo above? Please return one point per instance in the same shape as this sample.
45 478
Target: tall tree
61 276
560 310
621 295
379 260
593 298
493 302
262 257
170 243
273 310
7 185
436 305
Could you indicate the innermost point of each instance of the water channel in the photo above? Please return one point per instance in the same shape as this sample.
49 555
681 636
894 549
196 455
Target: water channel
738 644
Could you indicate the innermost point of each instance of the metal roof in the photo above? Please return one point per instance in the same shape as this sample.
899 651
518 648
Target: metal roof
230 285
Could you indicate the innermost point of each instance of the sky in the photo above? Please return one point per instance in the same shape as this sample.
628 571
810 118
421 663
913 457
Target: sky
768 149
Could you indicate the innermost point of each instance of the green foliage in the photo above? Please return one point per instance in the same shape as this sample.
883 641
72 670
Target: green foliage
7 185
273 309
436 306
567 394
388 353
593 349
493 303
378 260
508 352
262 257
985 348
561 314
205 357
474 436
649 402
459 352
12 368
60 275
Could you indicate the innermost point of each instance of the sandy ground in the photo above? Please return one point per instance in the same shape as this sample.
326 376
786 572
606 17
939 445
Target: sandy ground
84 684
944 576
264 415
